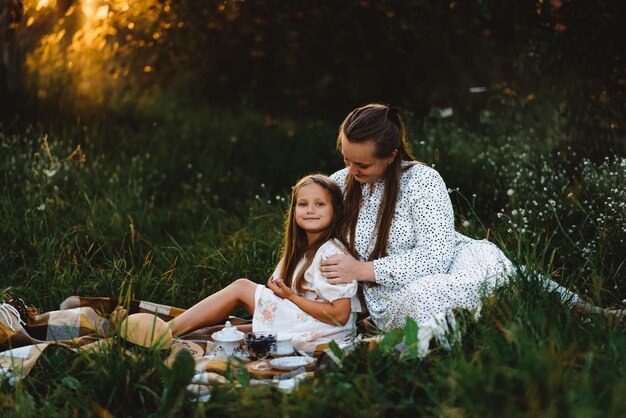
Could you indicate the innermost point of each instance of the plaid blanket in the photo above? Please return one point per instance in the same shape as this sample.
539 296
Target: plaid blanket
77 317
82 323
79 323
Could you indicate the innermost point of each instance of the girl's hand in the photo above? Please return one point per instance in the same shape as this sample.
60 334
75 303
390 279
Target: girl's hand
280 289
343 268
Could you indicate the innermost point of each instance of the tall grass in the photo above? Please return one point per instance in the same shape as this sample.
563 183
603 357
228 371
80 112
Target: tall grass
181 204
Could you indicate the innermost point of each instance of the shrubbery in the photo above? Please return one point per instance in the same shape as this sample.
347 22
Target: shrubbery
190 189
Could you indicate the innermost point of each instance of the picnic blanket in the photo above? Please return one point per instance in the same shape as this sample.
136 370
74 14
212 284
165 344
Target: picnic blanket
77 317
82 323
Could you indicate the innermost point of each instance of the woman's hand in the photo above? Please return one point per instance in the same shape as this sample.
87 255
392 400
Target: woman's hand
280 289
343 268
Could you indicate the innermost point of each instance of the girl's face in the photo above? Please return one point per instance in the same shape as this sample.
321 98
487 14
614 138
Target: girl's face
361 160
314 210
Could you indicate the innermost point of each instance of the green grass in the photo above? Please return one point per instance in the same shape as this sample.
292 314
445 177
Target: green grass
173 209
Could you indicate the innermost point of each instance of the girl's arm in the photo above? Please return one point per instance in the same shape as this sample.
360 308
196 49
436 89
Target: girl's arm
336 312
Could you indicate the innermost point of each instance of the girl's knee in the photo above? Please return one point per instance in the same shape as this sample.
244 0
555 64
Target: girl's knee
244 283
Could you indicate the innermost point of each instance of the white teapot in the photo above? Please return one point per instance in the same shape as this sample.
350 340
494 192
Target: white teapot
228 339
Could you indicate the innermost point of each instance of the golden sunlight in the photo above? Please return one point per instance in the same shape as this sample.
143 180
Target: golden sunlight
88 9
43 3
97 46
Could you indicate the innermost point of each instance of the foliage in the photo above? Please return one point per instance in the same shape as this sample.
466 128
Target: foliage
89 57
141 219
540 190
525 356
134 182
111 381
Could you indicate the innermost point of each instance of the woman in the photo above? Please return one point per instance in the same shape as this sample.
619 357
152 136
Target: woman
401 224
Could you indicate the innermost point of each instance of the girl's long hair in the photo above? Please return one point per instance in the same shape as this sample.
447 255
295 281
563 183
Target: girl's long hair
295 246
382 125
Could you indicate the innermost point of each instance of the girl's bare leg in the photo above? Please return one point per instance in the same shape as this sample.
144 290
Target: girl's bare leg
216 308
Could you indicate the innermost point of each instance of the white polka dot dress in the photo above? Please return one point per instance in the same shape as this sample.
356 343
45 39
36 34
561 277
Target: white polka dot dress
430 268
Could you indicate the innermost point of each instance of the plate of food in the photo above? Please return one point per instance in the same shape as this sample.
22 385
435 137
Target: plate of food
291 362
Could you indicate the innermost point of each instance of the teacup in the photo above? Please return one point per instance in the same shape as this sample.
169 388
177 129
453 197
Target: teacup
283 346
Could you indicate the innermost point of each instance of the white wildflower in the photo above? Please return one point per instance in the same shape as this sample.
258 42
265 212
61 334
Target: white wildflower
51 172
446 112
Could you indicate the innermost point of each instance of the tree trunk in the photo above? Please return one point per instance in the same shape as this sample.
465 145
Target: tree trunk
17 40
11 12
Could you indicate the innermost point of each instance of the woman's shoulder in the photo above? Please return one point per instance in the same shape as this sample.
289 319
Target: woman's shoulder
339 177
420 177
417 171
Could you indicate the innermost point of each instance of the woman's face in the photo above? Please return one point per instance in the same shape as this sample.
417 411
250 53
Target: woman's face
362 163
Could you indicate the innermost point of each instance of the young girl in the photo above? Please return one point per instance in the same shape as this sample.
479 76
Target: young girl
297 300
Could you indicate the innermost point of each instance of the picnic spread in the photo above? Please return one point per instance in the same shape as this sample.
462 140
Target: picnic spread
82 325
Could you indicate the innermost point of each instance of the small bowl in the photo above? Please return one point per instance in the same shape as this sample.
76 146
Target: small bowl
260 345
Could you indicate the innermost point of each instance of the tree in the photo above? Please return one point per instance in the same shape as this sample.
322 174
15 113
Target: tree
11 12
16 42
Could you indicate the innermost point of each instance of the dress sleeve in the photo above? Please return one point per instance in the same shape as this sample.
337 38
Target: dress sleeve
327 291
339 177
278 271
432 224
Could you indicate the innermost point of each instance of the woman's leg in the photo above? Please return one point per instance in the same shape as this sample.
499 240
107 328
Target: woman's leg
582 307
216 307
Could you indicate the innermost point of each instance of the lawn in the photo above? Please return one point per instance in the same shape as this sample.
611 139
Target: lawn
193 198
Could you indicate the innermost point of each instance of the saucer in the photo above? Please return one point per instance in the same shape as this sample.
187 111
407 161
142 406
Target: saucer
291 362
290 354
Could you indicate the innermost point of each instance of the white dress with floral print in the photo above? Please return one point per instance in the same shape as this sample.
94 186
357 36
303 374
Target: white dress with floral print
273 313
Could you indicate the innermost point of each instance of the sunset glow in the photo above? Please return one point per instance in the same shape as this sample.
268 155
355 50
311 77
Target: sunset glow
97 46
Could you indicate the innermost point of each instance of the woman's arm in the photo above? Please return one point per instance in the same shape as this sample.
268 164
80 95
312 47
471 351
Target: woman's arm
336 312
343 268
432 224
431 228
